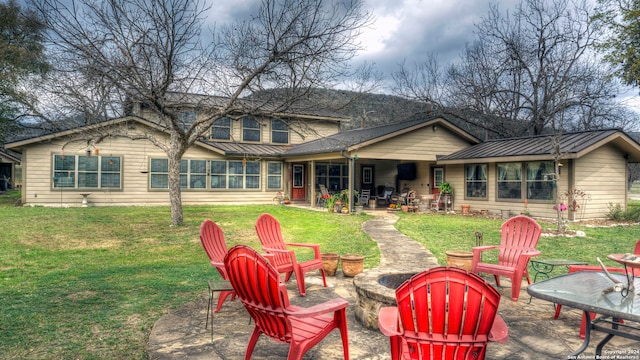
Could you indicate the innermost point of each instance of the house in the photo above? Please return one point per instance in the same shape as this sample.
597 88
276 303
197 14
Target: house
8 162
250 159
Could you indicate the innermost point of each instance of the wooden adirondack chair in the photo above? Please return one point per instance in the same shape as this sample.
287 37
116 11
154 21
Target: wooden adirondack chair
283 259
443 313
258 286
520 236
212 240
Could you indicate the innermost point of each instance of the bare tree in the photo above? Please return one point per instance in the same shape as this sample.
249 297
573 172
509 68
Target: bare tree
525 69
150 51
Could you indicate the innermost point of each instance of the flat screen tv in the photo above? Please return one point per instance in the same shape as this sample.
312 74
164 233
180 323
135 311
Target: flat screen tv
407 171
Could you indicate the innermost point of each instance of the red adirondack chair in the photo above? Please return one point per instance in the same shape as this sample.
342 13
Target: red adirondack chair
520 236
443 313
283 259
212 240
257 284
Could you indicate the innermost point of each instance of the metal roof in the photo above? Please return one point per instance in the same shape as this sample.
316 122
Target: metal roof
344 140
571 144
231 148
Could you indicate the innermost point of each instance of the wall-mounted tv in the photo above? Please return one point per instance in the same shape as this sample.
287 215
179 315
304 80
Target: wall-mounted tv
407 171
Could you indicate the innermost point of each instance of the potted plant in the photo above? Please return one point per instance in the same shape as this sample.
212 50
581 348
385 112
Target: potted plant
286 199
331 203
446 188
359 207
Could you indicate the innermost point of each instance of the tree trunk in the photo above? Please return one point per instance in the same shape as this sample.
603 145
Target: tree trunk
175 194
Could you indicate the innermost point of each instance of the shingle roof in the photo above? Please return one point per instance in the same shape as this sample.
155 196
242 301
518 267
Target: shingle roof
570 143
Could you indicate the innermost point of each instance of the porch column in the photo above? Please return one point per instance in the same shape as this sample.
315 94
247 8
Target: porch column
351 172
312 183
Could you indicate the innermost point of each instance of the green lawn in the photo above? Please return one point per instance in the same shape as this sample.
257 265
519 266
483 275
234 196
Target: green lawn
88 283
441 232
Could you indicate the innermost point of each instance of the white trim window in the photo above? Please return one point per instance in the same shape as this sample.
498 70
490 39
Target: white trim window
475 181
274 175
87 172
235 174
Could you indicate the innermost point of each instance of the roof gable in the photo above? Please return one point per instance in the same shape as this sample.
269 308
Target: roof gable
356 138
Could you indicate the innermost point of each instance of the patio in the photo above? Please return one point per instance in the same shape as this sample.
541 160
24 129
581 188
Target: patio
533 334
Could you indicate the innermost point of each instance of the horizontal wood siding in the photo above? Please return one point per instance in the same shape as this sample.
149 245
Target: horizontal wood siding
419 145
455 175
602 174
37 189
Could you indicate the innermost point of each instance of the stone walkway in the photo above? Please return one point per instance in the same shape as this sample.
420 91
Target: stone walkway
533 334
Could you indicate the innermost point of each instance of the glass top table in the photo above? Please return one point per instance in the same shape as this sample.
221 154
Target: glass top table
584 290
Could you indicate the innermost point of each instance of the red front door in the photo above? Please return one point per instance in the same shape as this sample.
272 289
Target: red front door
299 190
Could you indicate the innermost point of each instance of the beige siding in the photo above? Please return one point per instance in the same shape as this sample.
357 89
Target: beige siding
455 175
419 145
602 174
38 188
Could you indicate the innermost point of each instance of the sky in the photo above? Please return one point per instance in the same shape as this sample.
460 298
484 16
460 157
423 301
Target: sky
407 30
402 29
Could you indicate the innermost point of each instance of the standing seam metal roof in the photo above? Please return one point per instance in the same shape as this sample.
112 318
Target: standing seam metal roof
530 146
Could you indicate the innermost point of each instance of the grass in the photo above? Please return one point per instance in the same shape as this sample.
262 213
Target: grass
89 283
442 232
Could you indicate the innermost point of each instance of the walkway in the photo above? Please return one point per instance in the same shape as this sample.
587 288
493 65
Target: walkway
533 334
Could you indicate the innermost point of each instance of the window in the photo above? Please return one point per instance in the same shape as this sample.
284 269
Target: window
476 181
159 174
186 118
86 172
279 132
221 129
334 176
540 175
274 175
193 174
438 177
250 129
510 181
235 174
197 174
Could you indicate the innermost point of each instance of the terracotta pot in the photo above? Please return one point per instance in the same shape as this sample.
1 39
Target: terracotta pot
404 208
461 259
352 264
465 209
330 263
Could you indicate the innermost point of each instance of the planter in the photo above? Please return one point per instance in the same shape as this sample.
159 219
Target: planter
405 208
465 209
359 209
338 206
330 263
352 264
461 259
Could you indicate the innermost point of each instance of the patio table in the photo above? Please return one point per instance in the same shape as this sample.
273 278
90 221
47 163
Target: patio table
546 266
584 290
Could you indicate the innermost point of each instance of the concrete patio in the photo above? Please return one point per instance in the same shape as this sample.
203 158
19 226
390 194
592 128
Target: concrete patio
533 334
